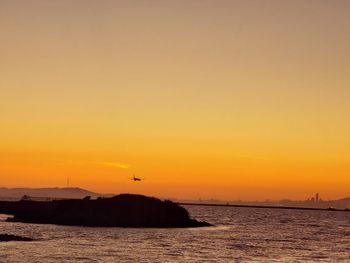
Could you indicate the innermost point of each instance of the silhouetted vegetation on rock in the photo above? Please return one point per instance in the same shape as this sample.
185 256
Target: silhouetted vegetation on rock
125 210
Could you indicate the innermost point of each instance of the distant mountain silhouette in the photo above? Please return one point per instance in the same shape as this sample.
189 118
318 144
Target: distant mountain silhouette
78 193
68 192
125 210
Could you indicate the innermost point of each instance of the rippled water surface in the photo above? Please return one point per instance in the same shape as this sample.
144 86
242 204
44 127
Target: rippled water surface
240 235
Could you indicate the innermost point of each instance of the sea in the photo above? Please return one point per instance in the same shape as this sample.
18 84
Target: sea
239 235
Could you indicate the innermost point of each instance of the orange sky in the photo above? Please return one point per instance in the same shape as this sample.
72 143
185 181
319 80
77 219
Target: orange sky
205 99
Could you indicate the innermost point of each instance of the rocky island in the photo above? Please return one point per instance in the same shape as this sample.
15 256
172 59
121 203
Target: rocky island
7 237
124 210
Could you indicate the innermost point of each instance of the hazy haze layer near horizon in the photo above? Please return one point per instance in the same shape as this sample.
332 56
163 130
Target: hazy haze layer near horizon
211 99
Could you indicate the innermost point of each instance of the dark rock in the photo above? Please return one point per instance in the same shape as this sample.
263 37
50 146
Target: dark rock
6 237
125 210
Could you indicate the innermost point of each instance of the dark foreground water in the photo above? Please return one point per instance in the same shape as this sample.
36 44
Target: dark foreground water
240 235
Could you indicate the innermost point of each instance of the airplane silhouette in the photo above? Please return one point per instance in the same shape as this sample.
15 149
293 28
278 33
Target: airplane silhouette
136 179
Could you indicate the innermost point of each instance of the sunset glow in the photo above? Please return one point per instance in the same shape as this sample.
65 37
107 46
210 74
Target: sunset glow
203 99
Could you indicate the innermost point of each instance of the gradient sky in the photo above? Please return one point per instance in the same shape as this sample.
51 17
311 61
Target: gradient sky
204 99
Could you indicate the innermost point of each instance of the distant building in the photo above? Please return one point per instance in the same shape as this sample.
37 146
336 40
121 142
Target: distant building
317 198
